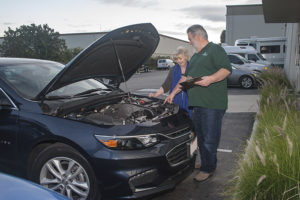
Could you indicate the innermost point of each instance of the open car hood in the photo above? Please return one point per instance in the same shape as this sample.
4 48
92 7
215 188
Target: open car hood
133 45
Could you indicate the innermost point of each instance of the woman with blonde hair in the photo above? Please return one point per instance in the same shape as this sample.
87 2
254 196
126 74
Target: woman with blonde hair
181 57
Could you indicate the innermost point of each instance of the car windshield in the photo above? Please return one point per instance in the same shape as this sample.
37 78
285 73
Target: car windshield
243 59
29 79
83 87
260 56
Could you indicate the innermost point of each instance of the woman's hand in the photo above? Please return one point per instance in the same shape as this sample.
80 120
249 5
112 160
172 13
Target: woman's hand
151 95
170 98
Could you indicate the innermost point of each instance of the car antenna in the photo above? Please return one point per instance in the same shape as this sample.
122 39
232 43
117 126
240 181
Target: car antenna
121 68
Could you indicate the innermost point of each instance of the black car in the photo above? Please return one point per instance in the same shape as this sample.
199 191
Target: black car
67 129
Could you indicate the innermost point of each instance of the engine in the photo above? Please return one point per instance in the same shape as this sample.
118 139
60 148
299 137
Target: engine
130 110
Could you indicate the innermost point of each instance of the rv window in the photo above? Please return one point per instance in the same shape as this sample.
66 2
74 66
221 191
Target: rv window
252 57
270 49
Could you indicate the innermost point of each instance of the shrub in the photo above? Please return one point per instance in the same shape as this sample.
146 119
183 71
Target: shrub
270 166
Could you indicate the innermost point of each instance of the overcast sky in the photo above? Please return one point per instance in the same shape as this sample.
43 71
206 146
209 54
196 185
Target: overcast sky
170 17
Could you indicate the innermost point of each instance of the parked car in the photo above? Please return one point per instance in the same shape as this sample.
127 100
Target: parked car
12 188
242 63
243 78
248 52
165 64
63 128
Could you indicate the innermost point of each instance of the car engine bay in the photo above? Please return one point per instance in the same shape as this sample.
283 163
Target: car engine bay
121 110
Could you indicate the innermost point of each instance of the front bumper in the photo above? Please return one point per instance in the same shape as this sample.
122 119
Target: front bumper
142 173
166 185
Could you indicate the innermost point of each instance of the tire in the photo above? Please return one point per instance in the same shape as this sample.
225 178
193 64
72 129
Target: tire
63 169
246 82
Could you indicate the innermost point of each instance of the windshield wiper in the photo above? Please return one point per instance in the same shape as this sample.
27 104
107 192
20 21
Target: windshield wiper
58 97
90 91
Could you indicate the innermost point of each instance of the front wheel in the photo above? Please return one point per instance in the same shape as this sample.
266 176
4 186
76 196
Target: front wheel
246 82
63 169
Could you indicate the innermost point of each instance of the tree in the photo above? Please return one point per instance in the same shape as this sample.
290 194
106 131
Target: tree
33 42
222 37
68 54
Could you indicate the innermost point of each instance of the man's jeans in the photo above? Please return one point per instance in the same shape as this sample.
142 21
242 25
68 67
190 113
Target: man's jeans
208 123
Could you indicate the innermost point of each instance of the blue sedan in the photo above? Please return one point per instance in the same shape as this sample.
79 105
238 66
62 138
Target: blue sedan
12 188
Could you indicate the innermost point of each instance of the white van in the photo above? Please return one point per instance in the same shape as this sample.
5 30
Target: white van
272 48
247 52
165 63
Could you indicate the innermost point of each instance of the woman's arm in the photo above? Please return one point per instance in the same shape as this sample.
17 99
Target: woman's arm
176 90
158 93
165 87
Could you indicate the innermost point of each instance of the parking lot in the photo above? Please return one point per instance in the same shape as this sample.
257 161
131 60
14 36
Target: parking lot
237 127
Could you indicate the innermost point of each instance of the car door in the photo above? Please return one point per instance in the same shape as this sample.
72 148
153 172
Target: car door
8 129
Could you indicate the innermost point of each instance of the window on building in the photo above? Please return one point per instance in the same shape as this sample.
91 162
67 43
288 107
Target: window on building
270 49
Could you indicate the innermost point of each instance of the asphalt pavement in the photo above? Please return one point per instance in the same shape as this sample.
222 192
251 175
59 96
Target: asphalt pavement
237 128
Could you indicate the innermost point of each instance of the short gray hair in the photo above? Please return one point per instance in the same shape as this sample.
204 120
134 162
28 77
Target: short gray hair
181 51
197 29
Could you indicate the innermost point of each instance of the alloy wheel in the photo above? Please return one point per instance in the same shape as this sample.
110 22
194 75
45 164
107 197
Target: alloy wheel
66 176
246 82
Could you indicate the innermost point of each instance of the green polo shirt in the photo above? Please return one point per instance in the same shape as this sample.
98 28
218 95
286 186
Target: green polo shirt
204 63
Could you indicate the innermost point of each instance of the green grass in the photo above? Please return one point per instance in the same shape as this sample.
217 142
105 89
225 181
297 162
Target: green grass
270 166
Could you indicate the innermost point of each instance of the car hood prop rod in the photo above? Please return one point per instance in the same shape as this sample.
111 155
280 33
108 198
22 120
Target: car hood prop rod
121 69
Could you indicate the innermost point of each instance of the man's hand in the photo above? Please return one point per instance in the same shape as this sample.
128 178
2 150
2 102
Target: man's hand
205 81
169 98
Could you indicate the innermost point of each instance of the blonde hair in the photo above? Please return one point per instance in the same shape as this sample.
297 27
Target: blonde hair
181 51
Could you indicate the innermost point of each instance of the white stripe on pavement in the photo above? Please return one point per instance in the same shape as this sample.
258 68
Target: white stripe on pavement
225 150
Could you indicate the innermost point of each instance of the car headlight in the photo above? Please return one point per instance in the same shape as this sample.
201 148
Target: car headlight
128 142
266 68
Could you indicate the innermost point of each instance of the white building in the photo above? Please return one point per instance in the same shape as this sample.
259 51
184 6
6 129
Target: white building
166 47
278 11
244 21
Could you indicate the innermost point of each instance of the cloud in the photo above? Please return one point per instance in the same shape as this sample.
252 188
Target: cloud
7 23
131 3
211 13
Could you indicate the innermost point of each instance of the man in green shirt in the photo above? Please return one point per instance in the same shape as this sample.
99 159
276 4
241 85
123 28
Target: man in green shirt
208 97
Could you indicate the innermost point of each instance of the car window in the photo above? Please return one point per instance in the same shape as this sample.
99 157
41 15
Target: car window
261 57
235 60
29 79
161 61
78 87
252 57
242 54
4 101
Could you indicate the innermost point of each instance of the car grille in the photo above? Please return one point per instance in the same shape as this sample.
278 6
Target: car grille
178 155
178 133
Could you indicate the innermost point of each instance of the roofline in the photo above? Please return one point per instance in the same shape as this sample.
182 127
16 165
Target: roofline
86 33
243 5
83 33
173 38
